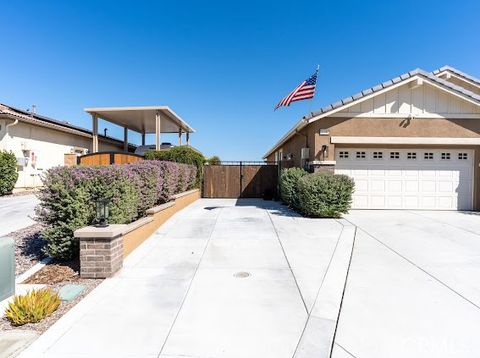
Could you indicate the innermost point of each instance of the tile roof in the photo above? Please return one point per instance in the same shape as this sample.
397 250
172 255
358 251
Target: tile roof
386 84
458 73
22 114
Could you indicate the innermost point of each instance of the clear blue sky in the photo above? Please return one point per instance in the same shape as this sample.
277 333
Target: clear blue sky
221 65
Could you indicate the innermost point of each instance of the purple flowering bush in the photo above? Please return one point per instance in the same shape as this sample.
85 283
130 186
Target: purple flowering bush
68 198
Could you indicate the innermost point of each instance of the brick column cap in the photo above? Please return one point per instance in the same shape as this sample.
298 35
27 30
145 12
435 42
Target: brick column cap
91 232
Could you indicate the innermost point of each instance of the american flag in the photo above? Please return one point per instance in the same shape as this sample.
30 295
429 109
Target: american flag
304 90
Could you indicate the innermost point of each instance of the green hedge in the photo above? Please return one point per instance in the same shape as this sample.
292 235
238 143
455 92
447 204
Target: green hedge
185 155
8 172
288 185
325 194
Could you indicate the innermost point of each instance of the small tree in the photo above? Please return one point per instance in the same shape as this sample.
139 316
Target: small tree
8 172
215 160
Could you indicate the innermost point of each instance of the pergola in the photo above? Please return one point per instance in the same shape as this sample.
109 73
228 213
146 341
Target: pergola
144 120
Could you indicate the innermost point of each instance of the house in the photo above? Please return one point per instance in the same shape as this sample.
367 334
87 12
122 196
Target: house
40 143
412 142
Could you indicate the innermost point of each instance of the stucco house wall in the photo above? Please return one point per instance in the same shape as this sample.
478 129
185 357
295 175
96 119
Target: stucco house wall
44 147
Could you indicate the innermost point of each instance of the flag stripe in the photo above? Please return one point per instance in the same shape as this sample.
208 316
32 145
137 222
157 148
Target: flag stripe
304 90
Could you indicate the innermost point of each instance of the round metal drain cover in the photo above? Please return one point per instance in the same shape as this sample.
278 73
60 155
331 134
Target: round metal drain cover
241 274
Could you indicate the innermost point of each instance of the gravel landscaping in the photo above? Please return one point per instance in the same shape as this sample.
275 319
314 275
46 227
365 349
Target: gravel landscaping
28 247
54 276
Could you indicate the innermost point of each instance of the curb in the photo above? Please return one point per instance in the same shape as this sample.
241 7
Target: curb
319 335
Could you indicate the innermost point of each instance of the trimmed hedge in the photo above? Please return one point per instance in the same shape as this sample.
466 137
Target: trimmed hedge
288 185
185 155
68 198
8 172
325 194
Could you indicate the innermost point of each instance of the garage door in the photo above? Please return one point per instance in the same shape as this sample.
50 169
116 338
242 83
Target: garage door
439 179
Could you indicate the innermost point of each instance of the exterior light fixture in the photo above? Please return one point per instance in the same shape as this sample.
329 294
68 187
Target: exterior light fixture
102 213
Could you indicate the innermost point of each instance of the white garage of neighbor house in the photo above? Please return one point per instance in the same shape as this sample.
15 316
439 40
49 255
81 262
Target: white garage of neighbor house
409 143
40 143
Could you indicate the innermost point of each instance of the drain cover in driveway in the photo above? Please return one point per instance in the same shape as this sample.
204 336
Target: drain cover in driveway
241 274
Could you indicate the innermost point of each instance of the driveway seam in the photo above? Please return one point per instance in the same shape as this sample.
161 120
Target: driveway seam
345 350
343 292
319 288
288 263
418 267
444 223
189 285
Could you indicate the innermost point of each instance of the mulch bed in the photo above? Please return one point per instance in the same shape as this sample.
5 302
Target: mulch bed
28 247
54 276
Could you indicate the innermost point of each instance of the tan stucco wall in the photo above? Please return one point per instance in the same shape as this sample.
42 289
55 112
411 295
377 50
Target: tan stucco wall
386 127
48 145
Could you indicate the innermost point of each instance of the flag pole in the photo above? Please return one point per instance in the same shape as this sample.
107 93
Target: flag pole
311 101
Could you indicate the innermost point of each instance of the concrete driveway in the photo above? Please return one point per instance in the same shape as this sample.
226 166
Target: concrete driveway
221 278
16 212
413 288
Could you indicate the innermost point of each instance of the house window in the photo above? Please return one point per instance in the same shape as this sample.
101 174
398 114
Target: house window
445 156
377 155
343 154
462 156
411 155
394 155
428 156
360 155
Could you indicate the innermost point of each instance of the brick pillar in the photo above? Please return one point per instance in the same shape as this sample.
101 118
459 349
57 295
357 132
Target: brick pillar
100 257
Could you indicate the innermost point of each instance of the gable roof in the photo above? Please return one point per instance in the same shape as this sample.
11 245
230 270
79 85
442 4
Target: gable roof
459 73
371 92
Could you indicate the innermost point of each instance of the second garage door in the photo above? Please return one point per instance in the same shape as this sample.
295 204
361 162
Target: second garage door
433 179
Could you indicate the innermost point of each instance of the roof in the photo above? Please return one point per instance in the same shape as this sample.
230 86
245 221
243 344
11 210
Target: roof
369 92
34 118
142 119
458 73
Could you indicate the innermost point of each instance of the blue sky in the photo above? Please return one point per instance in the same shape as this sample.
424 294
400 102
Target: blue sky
221 65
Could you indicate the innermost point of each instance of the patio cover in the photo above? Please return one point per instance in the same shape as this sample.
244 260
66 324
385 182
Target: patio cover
144 120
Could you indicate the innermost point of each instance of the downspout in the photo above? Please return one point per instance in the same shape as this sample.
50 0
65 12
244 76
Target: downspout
11 125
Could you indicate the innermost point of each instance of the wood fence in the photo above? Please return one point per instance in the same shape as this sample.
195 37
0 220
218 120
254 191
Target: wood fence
107 158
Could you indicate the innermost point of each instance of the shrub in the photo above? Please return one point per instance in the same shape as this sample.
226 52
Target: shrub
69 195
288 185
325 194
185 155
215 160
32 307
8 172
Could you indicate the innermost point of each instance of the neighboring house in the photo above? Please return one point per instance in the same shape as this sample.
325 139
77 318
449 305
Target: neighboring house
40 143
409 143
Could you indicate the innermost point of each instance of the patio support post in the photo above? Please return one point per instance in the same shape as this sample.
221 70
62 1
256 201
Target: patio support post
157 130
179 136
95 133
143 138
125 139
188 138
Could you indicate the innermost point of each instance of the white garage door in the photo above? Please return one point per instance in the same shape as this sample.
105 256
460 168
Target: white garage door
434 179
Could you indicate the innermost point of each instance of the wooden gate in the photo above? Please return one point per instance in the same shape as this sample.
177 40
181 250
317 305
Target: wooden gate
240 180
